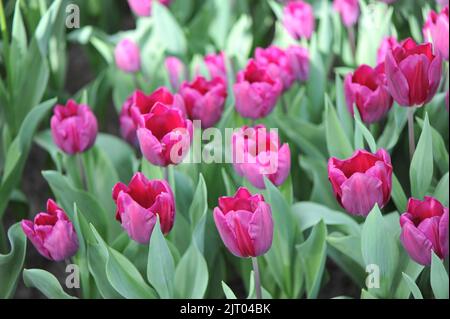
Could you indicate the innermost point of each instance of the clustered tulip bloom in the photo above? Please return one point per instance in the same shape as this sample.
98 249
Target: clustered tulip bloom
74 127
164 135
298 58
361 181
176 71
298 19
436 30
387 44
425 229
52 233
277 63
349 11
204 100
413 73
256 91
128 56
215 63
245 224
367 89
143 8
139 104
139 204
257 153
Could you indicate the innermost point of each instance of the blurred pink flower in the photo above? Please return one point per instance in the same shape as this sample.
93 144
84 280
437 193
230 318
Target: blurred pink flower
176 70
128 56
349 11
298 58
215 64
143 8
387 44
298 19
277 63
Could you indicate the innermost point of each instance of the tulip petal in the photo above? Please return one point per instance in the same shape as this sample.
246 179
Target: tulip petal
360 193
226 232
397 82
416 244
261 229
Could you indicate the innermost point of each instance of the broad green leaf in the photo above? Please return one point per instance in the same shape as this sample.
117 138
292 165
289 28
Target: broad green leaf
45 282
440 150
167 28
347 245
342 109
240 40
337 141
229 294
199 204
438 278
442 190
151 171
412 286
398 195
365 133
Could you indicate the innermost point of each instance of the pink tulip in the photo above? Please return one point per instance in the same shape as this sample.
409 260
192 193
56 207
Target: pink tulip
387 44
164 135
139 104
349 11
245 224
298 19
143 8
440 32
176 70
367 89
426 29
215 63
413 73
204 100
363 180
298 58
139 203
52 233
257 153
256 91
278 64
425 229
442 2
74 127
128 56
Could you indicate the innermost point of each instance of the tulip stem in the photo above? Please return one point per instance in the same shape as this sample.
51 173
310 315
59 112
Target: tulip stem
412 143
82 172
258 288
166 174
352 41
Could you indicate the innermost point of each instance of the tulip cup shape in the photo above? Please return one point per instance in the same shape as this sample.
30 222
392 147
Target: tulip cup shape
387 44
74 127
128 56
440 32
349 11
139 104
367 89
164 135
139 203
176 71
215 63
278 64
52 233
204 100
363 180
257 153
256 91
298 19
299 62
425 229
245 224
413 73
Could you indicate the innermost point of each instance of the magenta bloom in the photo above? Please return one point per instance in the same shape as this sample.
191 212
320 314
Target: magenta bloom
245 224
278 64
349 11
425 229
176 70
143 8
440 32
204 100
215 63
413 73
298 58
140 202
256 91
298 19
52 233
139 104
164 135
363 180
128 56
387 44
74 127
257 153
367 89
426 29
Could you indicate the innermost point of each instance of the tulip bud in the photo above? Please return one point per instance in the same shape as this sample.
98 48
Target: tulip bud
439 30
363 180
425 229
367 89
74 127
413 73
164 135
299 62
215 63
176 70
52 233
128 56
256 91
349 11
257 153
277 63
245 224
387 44
298 19
139 203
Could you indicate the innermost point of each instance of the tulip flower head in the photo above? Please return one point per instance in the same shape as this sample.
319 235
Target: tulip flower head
74 127
245 224
298 58
361 181
367 89
425 229
298 19
215 63
176 70
139 204
349 11
387 44
52 233
437 27
128 56
143 8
